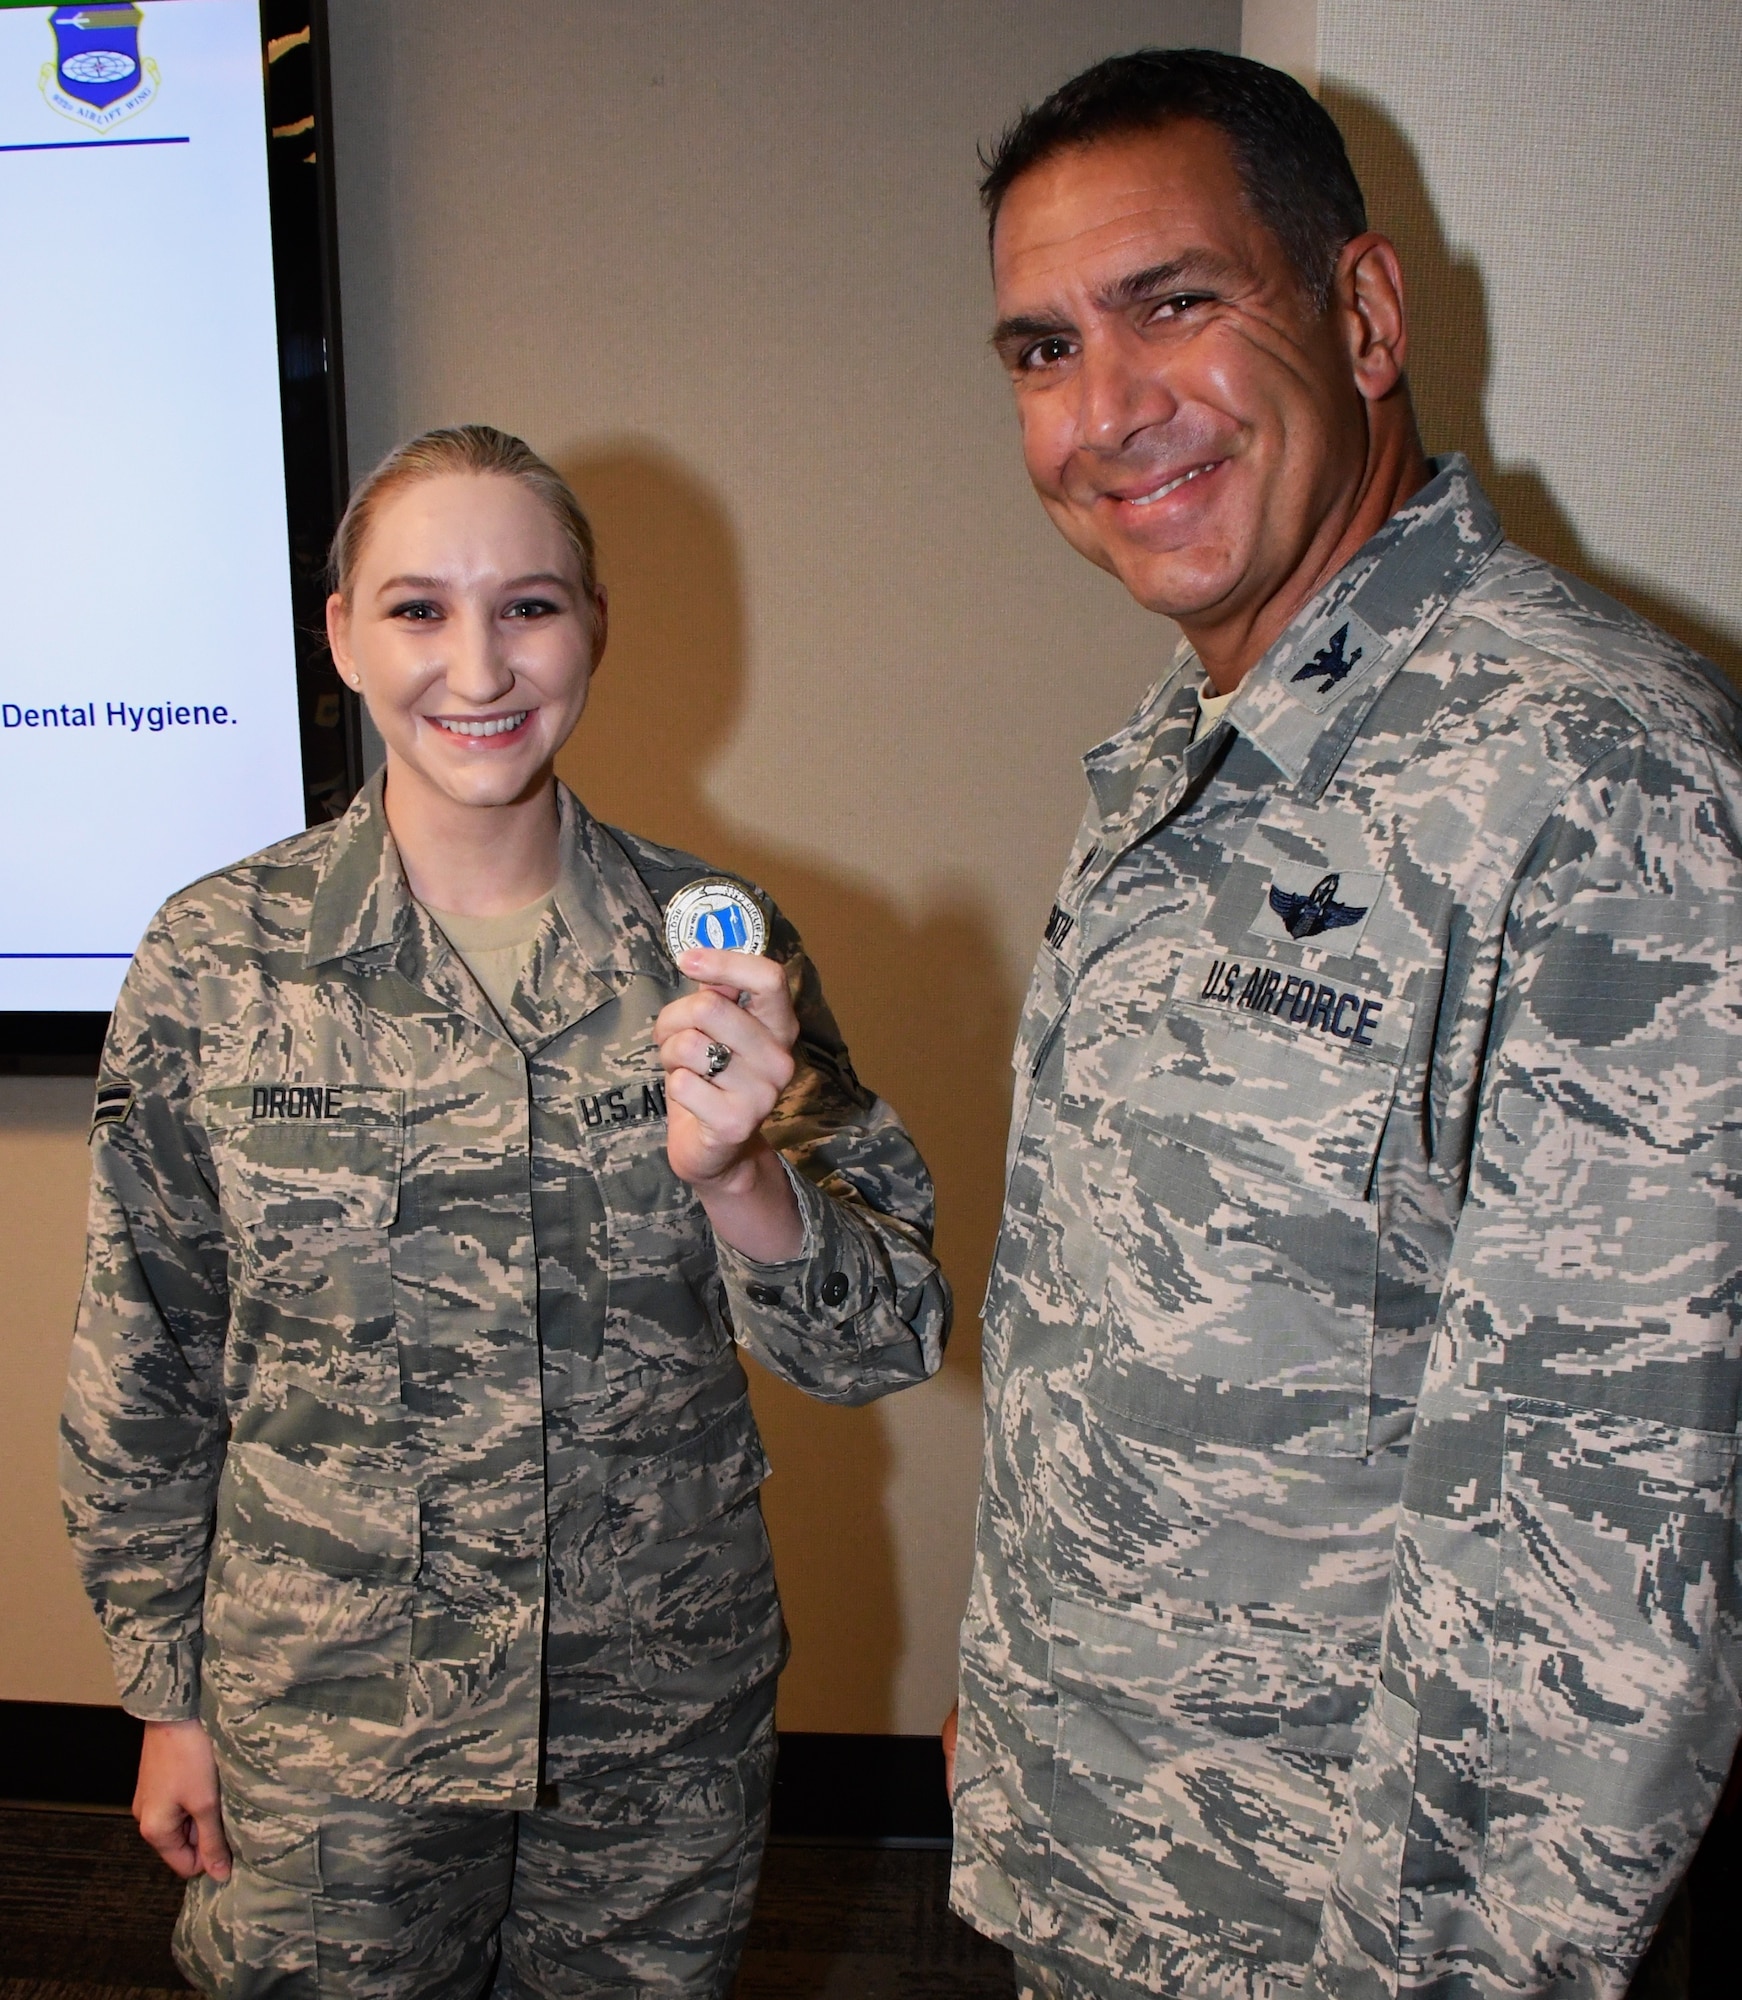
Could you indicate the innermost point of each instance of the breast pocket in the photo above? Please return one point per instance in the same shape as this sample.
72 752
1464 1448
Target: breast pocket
1042 1010
309 1182
1239 1301
663 1299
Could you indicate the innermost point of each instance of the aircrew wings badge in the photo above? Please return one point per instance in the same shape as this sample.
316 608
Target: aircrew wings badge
1325 907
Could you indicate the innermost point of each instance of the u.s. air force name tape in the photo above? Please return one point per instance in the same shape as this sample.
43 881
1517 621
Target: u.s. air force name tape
717 913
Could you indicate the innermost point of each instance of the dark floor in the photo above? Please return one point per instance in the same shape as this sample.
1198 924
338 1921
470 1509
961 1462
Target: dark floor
86 1911
864 1923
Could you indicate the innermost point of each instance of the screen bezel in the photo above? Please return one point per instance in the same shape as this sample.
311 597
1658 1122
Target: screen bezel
297 107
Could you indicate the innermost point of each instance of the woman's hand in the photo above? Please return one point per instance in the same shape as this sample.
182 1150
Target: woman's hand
176 1799
714 1120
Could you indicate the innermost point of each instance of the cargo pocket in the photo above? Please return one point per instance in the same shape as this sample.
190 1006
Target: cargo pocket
1240 1293
692 1553
1192 1751
309 1599
1614 1565
1363 1911
262 1917
309 1182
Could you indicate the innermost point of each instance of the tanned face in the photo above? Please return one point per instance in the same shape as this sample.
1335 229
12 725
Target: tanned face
1191 419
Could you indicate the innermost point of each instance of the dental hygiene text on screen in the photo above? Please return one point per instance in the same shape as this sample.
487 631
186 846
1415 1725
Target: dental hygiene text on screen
148 717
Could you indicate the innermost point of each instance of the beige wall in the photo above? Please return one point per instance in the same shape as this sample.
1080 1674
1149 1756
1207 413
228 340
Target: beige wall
1285 34
1564 180
49 1648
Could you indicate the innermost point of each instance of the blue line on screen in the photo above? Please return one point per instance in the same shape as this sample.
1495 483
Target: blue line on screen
87 145
65 954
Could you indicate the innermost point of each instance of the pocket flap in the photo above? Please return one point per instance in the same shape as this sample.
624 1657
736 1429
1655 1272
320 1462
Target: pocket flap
308 1155
273 1506
1289 1110
1143 1658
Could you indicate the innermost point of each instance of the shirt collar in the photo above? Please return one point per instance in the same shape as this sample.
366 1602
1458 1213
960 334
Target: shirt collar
1136 773
362 902
608 926
1304 701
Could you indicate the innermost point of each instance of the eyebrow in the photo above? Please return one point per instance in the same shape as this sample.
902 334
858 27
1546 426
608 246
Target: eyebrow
1190 267
1153 281
408 582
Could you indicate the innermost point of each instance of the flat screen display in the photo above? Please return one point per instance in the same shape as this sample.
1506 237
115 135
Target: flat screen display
149 704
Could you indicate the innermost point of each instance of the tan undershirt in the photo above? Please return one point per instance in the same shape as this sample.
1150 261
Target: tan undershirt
495 949
1210 707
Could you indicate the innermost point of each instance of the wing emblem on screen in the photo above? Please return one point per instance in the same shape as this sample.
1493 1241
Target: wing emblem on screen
98 75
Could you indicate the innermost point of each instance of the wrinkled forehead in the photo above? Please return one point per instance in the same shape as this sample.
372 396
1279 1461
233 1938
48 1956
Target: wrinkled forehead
1087 215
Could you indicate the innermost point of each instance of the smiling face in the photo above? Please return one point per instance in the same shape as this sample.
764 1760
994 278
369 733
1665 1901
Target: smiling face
470 637
1191 420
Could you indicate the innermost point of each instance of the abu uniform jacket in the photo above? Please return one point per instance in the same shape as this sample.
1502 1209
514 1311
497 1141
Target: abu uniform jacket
405 1430
1356 1597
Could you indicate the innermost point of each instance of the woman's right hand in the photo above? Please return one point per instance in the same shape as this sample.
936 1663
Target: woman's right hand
176 1799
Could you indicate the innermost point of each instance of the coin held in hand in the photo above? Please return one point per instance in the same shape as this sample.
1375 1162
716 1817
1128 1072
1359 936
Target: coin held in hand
717 913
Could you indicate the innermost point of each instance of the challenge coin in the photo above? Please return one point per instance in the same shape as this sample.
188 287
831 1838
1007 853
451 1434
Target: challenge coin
717 913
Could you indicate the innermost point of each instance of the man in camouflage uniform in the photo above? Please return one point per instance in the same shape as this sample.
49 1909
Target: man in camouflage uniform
1355 1606
406 1443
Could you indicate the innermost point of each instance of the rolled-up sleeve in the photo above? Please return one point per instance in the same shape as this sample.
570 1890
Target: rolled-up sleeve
863 1309
143 1428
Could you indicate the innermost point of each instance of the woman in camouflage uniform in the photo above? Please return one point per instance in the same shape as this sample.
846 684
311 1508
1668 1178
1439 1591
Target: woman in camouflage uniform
408 1458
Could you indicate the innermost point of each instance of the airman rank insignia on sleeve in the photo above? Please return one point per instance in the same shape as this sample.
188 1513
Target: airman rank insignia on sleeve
114 1102
715 912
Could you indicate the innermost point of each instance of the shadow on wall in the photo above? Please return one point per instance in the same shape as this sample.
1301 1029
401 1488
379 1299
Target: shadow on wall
922 1003
1451 354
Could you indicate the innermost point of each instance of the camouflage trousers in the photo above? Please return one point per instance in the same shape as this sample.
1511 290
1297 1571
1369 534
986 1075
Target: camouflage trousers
1662 1975
1035 1981
636 1884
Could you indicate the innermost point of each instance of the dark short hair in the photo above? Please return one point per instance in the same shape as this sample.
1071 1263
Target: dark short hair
1287 150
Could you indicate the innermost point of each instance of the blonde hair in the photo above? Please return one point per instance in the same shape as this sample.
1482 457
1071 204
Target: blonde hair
459 448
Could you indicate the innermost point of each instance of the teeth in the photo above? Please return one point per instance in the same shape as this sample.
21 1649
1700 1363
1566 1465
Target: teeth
1172 486
493 727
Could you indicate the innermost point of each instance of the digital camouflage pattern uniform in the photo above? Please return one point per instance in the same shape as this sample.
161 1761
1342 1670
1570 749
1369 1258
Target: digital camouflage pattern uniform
1355 1607
406 1442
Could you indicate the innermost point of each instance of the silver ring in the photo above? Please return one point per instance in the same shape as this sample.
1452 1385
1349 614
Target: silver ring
718 1057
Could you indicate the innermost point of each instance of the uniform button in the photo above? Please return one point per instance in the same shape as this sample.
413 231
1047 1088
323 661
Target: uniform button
834 1288
762 1295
